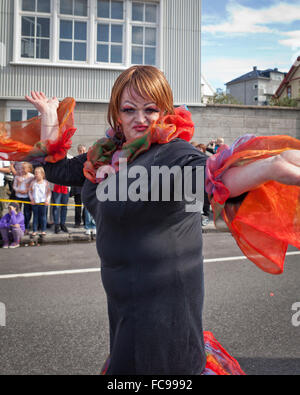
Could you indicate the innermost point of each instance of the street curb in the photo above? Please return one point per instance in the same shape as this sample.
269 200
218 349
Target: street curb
81 237
213 229
78 236
52 238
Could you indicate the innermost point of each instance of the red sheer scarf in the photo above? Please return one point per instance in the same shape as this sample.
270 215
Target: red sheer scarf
268 219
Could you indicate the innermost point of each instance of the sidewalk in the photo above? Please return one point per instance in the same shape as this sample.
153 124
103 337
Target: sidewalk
77 235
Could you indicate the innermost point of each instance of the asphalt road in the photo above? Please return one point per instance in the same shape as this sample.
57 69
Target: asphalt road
57 324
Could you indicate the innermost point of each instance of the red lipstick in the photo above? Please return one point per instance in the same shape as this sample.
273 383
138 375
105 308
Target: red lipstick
140 128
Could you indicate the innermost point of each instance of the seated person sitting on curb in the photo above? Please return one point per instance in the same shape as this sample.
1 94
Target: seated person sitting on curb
12 226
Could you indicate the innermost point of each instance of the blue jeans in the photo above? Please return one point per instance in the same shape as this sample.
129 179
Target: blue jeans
27 211
60 212
39 217
89 220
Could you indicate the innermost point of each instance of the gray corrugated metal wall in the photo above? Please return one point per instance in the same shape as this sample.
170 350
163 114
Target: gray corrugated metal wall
6 33
182 46
180 61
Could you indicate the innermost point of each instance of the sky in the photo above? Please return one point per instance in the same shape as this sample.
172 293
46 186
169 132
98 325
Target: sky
240 34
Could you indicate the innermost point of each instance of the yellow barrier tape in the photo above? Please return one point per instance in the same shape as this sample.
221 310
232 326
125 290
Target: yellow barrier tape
41 204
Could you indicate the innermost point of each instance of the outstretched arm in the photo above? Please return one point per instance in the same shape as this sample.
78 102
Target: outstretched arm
67 171
283 168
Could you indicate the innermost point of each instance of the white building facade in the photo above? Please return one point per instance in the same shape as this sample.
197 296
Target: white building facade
78 48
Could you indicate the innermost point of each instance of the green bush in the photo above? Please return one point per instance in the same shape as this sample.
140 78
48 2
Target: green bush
222 98
284 102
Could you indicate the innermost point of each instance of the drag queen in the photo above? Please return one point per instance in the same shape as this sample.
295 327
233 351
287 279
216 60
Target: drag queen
151 251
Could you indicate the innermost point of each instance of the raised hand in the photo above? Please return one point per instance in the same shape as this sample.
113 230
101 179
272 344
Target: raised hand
42 103
48 109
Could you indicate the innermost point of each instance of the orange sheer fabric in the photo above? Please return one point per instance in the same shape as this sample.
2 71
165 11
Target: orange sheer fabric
21 140
268 219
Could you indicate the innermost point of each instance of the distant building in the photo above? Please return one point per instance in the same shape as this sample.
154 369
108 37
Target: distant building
207 90
290 86
256 87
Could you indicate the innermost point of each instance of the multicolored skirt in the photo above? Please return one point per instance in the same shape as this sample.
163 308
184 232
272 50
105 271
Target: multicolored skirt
218 361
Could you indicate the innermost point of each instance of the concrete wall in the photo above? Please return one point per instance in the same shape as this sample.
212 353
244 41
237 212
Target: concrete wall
230 122
211 121
90 121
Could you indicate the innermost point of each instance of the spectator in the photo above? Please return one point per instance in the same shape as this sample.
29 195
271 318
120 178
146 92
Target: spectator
90 224
16 169
12 226
211 146
219 143
60 195
9 179
214 145
206 203
40 195
4 169
202 148
50 221
76 193
21 185
81 149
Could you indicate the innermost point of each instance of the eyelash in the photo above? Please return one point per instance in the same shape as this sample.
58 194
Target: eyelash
131 110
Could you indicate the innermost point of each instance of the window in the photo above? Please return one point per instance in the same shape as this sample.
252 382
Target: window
144 33
95 33
35 29
17 114
110 31
289 92
73 30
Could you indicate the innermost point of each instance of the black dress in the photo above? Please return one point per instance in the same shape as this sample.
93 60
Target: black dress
151 268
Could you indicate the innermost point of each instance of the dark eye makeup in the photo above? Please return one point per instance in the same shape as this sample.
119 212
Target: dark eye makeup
131 110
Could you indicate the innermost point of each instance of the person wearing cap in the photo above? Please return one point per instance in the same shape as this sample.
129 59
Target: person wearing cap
12 226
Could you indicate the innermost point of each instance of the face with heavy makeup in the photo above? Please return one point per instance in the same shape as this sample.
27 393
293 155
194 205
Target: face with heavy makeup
136 114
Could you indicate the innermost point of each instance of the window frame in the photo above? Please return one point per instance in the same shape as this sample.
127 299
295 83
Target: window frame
20 106
110 22
18 14
73 19
145 25
91 49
